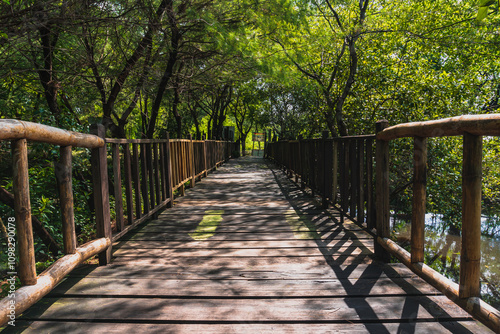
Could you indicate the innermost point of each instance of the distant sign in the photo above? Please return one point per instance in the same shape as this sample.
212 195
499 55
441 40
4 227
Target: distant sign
258 136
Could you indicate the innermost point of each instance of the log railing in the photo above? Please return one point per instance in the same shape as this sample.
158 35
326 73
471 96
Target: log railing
471 127
303 158
340 170
146 171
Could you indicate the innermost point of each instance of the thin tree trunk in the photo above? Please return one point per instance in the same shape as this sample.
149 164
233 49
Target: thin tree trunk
8 199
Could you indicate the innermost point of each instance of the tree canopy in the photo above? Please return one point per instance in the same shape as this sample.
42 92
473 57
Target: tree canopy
146 67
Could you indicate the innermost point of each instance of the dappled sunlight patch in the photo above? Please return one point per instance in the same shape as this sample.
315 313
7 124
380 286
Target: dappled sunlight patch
208 224
301 226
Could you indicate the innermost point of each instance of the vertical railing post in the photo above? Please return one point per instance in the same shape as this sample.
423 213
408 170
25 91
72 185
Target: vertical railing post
101 192
168 159
150 172
343 176
335 167
360 181
312 166
470 255
193 169
144 178
353 165
346 183
327 170
157 167
382 191
370 208
128 183
419 199
163 171
205 155
136 180
301 163
22 207
117 182
63 170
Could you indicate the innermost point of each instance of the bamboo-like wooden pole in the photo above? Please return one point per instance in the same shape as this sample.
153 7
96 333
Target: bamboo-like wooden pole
65 183
205 156
150 172
312 167
335 166
128 183
29 295
343 177
192 161
360 180
163 172
480 310
137 180
22 207
117 183
382 189
480 125
144 178
353 164
101 192
156 164
325 153
11 129
470 255
419 199
370 208
168 165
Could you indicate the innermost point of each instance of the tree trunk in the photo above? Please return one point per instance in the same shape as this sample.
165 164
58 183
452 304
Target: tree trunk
48 40
175 111
243 143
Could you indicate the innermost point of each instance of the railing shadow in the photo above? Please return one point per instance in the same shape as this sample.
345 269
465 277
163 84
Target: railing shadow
344 253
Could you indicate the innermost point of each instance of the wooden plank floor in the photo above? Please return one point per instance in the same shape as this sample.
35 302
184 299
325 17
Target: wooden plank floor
275 264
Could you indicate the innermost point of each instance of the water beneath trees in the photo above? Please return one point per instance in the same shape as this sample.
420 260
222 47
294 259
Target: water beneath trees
442 253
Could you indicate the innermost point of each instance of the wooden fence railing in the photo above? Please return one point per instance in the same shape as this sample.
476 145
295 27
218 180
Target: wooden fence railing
340 170
147 170
346 163
472 127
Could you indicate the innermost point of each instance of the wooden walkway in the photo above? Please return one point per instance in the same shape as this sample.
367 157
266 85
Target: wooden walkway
245 251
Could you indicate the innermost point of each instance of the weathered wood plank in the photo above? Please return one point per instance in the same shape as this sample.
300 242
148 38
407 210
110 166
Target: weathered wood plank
239 252
265 288
243 309
255 244
243 236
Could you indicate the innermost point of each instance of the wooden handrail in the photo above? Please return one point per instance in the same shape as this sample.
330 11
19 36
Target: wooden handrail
11 129
472 128
148 171
479 125
339 169
302 158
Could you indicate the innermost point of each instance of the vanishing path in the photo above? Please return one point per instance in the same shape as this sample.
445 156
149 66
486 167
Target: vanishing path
246 251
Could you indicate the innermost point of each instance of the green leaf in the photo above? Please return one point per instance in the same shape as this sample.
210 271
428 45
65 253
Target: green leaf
482 13
486 3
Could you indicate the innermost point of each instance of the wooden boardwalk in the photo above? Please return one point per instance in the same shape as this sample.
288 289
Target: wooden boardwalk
246 251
